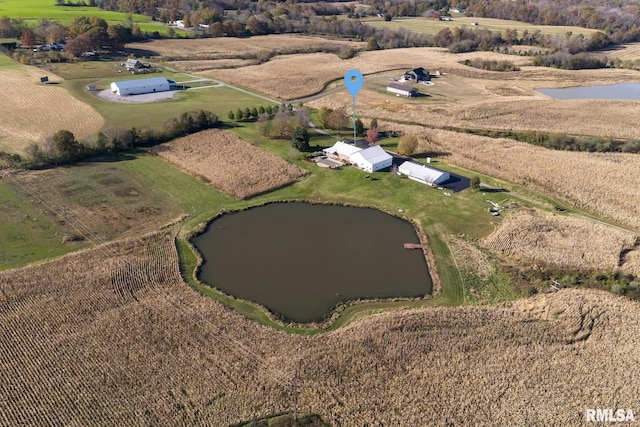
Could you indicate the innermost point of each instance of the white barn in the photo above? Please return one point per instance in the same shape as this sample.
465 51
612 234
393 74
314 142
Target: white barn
371 159
423 173
341 150
403 90
136 87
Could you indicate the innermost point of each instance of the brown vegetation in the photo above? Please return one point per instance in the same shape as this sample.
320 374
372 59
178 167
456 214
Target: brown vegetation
605 184
112 336
229 163
528 236
32 111
308 78
238 47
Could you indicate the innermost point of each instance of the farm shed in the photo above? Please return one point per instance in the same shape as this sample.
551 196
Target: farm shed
133 64
423 173
417 75
402 89
341 150
136 87
371 159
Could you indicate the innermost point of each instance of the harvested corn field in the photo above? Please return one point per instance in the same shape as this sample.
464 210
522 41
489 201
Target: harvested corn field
602 183
527 236
31 111
111 336
238 47
231 164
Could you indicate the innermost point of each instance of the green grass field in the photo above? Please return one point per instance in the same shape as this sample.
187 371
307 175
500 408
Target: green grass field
432 26
125 115
33 10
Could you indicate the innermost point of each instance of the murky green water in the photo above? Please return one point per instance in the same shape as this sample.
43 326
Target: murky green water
300 260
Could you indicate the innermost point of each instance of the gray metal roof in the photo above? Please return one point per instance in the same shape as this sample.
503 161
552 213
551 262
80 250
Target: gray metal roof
153 81
398 86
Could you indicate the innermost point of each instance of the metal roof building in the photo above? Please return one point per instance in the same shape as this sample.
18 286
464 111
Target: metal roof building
136 87
403 90
371 159
424 174
342 150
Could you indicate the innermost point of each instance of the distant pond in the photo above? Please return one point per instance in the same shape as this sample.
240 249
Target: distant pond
299 260
620 91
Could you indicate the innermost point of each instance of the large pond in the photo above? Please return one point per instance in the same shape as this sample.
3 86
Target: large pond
299 260
620 91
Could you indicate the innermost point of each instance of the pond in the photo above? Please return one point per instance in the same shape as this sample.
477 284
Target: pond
299 260
620 91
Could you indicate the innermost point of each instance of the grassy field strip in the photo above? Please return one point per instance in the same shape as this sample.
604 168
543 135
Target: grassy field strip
33 10
432 26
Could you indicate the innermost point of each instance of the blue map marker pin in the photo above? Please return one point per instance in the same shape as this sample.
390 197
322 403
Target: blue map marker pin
353 81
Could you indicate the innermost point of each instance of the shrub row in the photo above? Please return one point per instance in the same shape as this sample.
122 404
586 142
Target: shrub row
63 148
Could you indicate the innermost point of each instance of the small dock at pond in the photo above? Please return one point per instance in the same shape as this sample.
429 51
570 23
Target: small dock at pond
412 246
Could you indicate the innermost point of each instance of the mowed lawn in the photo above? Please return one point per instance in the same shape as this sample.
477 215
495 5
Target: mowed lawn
32 10
432 26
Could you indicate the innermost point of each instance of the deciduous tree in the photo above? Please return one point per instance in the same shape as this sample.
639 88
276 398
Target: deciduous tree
407 145
372 135
28 38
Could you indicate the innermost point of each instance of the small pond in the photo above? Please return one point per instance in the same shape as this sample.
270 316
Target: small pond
299 260
620 91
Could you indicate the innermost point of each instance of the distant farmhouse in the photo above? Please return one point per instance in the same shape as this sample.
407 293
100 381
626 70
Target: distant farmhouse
134 64
370 159
140 86
402 90
423 173
417 75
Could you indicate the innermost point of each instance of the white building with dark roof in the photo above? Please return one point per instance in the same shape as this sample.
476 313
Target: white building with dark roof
371 159
423 173
341 150
403 90
140 86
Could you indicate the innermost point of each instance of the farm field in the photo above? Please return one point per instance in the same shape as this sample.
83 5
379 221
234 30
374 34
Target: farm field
27 111
311 79
533 237
220 158
33 10
97 335
236 47
626 52
432 26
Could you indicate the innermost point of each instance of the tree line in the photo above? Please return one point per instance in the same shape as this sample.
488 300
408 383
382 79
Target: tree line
63 147
559 141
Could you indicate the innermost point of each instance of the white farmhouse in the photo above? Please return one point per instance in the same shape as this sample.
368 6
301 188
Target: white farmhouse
371 159
424 174
341 150
136 87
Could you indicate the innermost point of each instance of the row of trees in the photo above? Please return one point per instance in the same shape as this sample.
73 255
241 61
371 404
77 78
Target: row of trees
559 141
64 148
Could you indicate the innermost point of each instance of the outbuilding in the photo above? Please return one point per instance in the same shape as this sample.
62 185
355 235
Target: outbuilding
341 150
403 90
140 86
423 173
371 159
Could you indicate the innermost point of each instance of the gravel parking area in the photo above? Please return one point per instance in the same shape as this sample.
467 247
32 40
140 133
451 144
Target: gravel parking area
107 95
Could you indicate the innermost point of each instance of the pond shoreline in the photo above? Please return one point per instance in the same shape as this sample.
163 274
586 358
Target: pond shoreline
333 315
